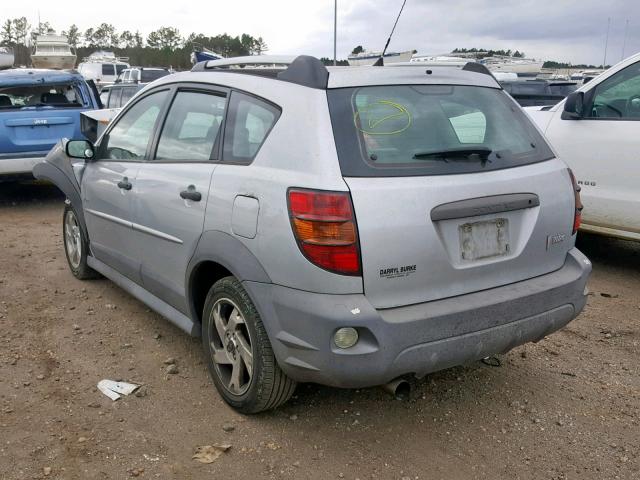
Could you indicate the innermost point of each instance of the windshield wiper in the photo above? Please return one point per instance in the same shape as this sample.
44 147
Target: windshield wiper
463 153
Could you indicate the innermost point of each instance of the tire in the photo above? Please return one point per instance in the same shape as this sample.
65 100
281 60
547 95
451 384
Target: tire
227 338
76 246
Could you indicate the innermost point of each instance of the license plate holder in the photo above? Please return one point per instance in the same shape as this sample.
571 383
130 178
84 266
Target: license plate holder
484 239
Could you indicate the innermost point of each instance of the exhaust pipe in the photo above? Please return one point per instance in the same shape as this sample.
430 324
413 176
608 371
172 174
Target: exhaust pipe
399 388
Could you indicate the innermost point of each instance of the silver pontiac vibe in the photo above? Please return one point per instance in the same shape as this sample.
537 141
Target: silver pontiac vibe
344 226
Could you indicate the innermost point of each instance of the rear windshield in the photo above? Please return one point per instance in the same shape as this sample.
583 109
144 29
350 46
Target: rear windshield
431 130
151 75
25 96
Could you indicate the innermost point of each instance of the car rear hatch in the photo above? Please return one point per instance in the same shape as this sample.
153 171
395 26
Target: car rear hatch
454 191
34 117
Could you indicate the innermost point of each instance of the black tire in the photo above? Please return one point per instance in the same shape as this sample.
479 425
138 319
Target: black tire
77 260
267 386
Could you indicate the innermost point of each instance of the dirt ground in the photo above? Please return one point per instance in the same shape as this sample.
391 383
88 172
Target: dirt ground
565 408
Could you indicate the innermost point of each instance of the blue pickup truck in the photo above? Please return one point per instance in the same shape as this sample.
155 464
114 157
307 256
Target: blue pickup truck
37 109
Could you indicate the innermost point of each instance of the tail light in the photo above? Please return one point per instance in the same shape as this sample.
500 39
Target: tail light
325 227
577 216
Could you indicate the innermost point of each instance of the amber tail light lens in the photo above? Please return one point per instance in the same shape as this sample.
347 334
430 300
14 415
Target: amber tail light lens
325 228
577 217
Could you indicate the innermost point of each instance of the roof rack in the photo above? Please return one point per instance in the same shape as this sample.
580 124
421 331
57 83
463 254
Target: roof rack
302 69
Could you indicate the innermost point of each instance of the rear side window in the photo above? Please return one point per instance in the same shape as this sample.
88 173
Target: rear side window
430 130
192 126
114 98
248 123
107 69
127 94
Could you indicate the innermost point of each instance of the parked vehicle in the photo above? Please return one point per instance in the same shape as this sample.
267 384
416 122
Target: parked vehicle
142 74
52 51
596 130
118 94
102 67
6 57
538 92
344 226
37 109
202 54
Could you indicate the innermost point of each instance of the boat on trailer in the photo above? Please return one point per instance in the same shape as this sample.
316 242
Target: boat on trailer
202 54
52 51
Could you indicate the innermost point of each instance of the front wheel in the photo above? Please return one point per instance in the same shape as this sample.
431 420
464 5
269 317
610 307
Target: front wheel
76 245
238 352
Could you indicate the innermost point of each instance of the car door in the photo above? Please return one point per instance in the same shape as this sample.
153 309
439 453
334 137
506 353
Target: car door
173 187
603 150
108 184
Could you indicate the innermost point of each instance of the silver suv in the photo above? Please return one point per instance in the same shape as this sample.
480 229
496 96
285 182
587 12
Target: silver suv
346 226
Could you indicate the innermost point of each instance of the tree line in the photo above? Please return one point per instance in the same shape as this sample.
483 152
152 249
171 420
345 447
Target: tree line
483 52
162 47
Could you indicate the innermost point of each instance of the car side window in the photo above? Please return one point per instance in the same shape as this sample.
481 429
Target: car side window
618 96
129 137
127 94
192 127
114 98
248 123
107 69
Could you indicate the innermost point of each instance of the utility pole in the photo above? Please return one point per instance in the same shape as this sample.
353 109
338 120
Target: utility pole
606 43
624 42
335 31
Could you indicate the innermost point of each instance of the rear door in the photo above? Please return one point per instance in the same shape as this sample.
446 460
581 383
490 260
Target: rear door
172 190
34 117
454 191
109 184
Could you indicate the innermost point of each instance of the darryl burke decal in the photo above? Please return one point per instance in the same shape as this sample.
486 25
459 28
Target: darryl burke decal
397 272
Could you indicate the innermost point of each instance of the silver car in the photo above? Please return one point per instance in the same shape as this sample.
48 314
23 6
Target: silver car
344 226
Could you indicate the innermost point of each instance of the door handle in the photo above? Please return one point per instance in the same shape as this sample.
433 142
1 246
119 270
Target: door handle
125 184
191 194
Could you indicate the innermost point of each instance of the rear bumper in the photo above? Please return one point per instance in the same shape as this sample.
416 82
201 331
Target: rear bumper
20 165
416 339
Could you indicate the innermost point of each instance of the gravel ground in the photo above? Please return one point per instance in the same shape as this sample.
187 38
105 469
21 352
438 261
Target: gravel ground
567 407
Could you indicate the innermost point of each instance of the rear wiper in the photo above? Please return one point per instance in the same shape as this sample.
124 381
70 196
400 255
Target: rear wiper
465 153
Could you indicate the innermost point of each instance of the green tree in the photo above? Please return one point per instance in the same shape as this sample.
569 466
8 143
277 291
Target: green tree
165 38
44 27
104 35
127 39
8 34
88 37
259 46
139 41
21 30
359 49
73 35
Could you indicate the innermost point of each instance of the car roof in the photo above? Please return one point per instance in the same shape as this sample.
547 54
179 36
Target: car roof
26 76
309 71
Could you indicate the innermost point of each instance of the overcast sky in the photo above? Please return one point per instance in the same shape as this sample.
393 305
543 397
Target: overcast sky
565 30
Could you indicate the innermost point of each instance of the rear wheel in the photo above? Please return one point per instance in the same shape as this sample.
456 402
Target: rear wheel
238 352
76 245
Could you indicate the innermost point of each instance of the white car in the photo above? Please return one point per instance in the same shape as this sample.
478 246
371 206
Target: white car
596 130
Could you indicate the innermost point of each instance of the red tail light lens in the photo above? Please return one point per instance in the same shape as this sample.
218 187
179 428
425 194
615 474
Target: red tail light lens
325 227
577 217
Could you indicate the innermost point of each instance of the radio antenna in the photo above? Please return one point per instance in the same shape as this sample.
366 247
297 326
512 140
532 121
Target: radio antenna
380 61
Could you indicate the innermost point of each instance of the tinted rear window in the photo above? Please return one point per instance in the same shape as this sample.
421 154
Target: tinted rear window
151 75
39 95
431 130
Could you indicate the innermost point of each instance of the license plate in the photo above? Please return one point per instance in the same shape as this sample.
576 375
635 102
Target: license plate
485 239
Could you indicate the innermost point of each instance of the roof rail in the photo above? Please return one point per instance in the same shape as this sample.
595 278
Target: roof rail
302 69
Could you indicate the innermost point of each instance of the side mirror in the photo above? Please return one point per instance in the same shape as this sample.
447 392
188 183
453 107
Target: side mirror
79 149
574 106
